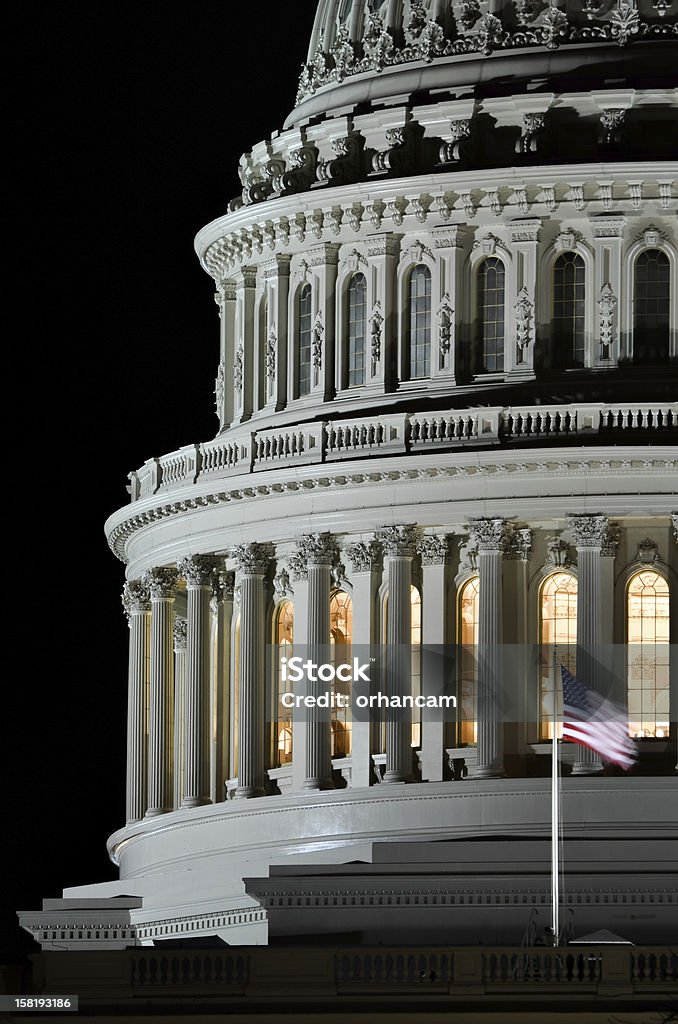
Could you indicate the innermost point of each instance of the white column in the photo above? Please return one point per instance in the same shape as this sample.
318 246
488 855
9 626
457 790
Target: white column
137 605
180 632
300 585
252 562
433 552
224 585
198 571
673 667
366 560
589 533
490 537
318 552
161 584
400 547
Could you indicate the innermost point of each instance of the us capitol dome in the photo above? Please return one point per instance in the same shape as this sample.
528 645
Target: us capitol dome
446 396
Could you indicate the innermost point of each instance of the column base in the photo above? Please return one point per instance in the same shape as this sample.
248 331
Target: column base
153 812
587 768
195 801
394 777
248 792
318 784
487 771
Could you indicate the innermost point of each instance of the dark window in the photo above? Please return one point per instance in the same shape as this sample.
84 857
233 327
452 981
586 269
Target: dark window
305 329
357 330
420 322
651 307
491 286
568 310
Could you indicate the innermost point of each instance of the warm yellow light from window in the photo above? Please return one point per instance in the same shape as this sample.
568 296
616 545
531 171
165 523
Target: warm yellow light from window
647 619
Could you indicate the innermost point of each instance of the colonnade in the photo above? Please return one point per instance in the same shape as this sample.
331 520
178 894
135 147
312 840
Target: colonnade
170 760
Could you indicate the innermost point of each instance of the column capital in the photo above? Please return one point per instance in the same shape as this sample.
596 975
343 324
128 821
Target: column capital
674 525
135 598
399 541
589 530
180 633
364 555
197 570
433 550
489 534
223 583
313 549
160 582
251 559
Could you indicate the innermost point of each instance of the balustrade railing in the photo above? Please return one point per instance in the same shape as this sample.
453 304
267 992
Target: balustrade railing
397 433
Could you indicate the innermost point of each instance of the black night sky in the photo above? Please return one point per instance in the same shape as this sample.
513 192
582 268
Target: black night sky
135 116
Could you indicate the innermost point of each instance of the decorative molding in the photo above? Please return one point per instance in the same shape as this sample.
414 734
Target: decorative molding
252 559
399 541
524 311
588 531
270 354
607 304
239 368
365 556
282 585
648 551
446 325
317 342
468 553
376 324
558 553
219 391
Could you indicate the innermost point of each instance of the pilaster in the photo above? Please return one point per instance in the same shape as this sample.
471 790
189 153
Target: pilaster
180 632
524 244
161 584
136 602
382 259
608 238
243 355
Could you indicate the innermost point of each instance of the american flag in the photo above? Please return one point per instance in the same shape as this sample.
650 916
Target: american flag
596 723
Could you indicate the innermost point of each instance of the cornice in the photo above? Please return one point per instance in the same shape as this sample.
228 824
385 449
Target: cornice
383 471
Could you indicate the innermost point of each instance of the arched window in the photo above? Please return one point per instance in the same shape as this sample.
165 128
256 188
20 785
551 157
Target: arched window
651 307
420 322
415 642
305 332
341 638
568 310
284 641
357 330
468 662
490 313
647 630
557 631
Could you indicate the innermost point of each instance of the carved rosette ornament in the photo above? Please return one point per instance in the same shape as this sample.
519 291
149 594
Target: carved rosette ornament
160 583
433 550
625 21
197 570
399 540
365 556
554 28
376 323
135 598
588 531
180 633
446 320
251 559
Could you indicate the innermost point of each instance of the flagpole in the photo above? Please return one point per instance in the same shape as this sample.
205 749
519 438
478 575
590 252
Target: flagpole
555 927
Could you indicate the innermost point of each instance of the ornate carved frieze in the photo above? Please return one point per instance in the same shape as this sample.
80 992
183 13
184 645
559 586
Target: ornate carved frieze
365 556
317 342
433 550
524 311
376 324
399 540
197 570
135 598
588 531
446 325
160 582
180 633
607 304
252 559
270 354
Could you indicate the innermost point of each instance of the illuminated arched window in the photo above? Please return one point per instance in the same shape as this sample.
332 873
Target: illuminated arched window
420 322
468 662
647 627
569 310
651 301
557 631
284 641
490 315
341 639
357 330
305 334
